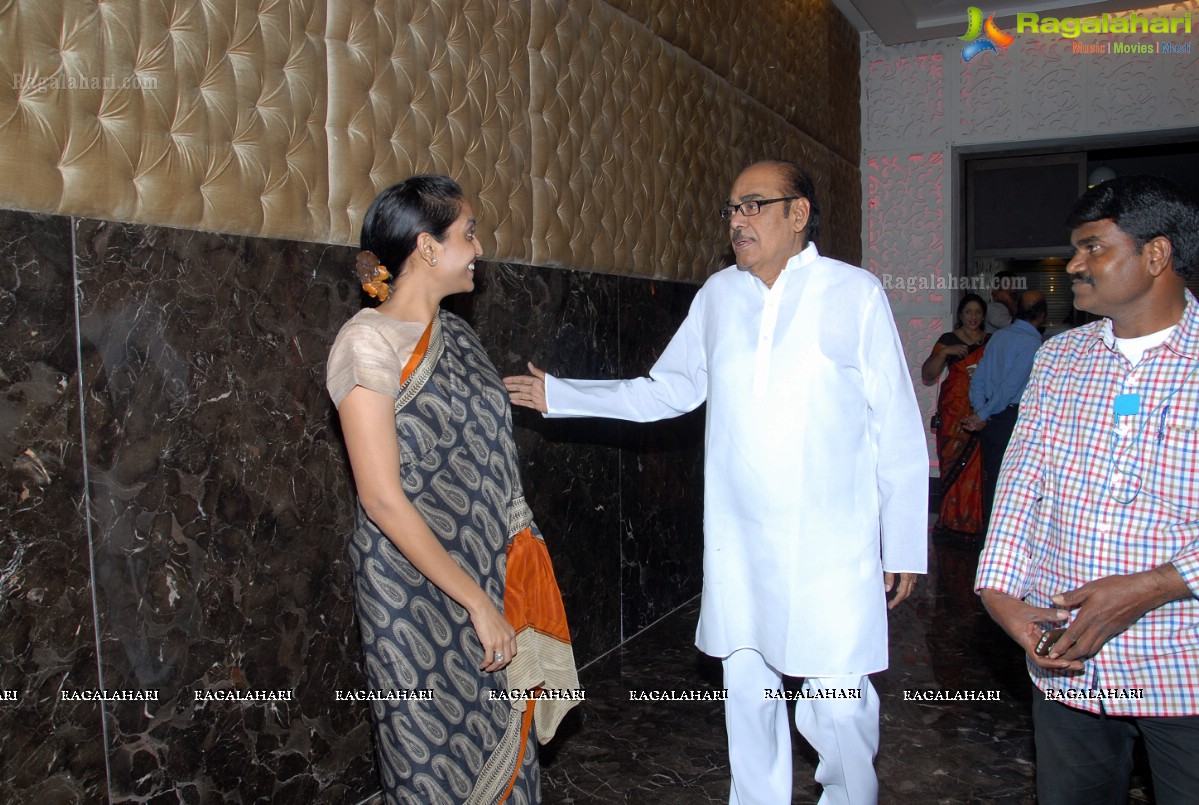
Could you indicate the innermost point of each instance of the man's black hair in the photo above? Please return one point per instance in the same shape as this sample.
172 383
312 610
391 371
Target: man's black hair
1144 207
797 182
1028 311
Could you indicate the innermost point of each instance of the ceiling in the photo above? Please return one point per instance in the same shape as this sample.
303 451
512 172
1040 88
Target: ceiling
899 21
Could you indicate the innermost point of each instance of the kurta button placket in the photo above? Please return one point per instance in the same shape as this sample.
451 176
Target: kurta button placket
770 317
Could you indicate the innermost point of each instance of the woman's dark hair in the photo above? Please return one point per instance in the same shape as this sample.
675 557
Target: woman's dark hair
967 299
426 203
797 182
1144 207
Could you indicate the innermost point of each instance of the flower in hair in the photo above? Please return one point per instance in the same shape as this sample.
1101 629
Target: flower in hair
373 275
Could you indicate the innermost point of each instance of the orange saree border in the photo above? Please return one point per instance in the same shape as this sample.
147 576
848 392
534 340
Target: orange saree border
533 605
422 346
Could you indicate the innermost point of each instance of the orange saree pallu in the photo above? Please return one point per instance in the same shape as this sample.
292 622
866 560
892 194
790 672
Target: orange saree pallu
544 662
533 605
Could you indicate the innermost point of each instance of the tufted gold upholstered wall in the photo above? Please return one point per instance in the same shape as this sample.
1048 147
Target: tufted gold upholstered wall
202 115
595 135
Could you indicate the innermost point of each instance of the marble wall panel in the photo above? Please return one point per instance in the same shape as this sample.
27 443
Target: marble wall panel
564 322
221 506
661 471
618 502
211 468
47 629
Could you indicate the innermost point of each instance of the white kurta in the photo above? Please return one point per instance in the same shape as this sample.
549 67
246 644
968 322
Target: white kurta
816 466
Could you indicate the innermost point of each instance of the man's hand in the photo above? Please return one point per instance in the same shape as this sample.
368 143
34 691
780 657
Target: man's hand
972 422
907 583
1108 606
528 390
1023 622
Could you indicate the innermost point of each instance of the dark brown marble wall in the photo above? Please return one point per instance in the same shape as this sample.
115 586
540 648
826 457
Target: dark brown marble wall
621 504
176 501
218 501
47 624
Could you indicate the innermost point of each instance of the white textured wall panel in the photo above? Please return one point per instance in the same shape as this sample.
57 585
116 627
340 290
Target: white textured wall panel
921 101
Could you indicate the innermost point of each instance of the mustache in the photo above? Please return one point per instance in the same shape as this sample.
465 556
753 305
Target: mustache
1083 279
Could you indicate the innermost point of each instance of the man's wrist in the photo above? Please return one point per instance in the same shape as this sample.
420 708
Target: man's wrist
1167 585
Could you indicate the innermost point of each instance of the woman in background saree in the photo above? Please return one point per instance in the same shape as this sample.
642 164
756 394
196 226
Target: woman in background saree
456 599
957 449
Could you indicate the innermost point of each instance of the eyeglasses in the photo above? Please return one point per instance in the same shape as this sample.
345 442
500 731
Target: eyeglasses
751 207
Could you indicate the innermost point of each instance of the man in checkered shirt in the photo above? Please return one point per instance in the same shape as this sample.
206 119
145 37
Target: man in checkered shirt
1096 521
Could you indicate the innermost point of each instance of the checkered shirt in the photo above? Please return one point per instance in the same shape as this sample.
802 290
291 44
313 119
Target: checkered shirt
1085 493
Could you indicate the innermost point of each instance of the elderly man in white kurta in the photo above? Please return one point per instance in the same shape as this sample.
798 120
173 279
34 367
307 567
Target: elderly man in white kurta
816 482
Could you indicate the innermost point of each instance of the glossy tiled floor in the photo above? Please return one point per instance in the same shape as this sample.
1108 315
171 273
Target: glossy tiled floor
614 750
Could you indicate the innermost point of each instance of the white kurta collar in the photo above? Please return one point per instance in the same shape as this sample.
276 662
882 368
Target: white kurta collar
804 258
772 298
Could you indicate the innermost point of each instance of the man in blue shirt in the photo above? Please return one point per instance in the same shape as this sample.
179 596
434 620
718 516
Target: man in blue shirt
998 383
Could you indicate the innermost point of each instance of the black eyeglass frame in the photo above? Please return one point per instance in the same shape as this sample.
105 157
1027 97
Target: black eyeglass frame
729 210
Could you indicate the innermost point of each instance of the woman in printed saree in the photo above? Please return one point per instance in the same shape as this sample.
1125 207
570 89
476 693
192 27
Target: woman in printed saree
455 595
957 449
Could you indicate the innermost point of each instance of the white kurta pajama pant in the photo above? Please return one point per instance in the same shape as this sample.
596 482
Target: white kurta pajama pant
842 730
815 463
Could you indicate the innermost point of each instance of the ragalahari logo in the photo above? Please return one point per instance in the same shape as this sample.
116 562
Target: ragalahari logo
991 35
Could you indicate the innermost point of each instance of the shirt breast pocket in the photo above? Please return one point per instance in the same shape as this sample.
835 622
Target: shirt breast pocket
1173 472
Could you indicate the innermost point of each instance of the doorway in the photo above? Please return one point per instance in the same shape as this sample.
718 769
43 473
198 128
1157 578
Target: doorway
1014 203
